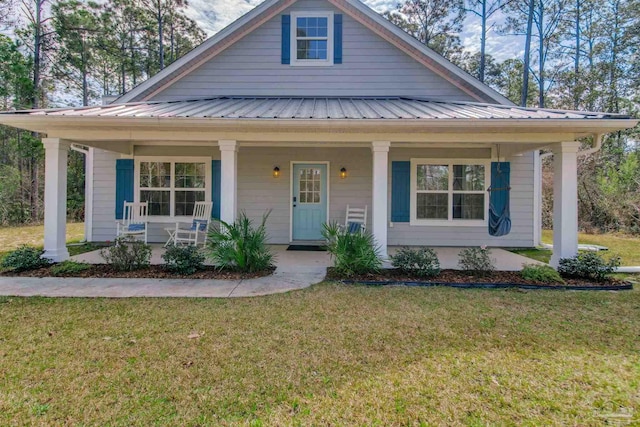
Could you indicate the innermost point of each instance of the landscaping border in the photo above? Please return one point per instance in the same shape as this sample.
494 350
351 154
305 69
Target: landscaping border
623 287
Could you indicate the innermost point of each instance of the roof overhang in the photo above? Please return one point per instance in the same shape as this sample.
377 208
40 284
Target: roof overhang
121 134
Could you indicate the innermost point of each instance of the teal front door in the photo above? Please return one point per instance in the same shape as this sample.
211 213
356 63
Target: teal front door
309 200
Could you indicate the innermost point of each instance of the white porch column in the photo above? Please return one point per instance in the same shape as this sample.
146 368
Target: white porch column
55 199
229 178
379 212
565 201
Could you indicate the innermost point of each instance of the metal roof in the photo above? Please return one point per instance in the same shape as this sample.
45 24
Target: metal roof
318 108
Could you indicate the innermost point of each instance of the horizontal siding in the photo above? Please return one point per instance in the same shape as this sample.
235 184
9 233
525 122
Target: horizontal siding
104 195
521 234
259 192
371 67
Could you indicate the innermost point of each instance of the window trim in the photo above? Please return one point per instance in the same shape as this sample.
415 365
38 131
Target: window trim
413 220
294 61
172 188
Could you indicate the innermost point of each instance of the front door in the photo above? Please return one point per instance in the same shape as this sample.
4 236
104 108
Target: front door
309 200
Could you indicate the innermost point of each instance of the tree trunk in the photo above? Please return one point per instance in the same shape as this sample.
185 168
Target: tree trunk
37 41
527 56
541 61
483 41
160 37
576 63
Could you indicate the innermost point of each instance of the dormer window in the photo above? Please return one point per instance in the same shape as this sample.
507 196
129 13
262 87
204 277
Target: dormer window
312 38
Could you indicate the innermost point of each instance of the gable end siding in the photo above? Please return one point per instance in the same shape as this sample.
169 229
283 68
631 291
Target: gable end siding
370 66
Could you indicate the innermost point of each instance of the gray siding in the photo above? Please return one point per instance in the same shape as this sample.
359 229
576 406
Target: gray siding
521 209
259 192
104 195
371 67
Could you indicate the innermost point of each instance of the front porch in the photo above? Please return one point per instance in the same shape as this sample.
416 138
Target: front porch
316 262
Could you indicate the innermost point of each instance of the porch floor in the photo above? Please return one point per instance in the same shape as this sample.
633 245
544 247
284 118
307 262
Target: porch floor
316 262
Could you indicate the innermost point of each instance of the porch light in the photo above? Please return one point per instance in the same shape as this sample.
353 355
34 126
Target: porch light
343 173
276 172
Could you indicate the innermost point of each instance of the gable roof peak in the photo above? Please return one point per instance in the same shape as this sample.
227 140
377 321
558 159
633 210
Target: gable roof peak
355 9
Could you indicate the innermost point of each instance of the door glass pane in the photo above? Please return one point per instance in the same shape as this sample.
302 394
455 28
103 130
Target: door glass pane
309 185
468 206
433 177
468 177
432 206
159 201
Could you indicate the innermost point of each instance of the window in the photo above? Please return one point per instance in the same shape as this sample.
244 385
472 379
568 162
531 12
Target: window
172 187
448 191
312 39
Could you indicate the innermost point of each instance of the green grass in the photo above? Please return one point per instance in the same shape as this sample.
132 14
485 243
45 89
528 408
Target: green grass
626 247
33 235
327 355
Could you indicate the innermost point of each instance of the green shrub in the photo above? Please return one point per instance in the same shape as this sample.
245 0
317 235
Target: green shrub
183 259
541 273
422 262
476 261
127 254
352 253
66 268
240 246
24 258
588 265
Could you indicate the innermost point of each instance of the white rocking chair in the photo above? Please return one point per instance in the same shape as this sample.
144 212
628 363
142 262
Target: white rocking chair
134 220
356 220
188 233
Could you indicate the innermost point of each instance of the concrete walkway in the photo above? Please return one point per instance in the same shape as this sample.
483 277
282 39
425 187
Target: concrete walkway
295 270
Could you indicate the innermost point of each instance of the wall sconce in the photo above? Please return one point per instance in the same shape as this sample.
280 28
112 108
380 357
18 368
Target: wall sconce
343 173
276 172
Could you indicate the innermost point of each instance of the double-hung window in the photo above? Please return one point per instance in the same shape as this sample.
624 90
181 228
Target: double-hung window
312 38
448 192
171 187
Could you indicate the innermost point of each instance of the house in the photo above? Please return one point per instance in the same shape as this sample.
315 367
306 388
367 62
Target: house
347 108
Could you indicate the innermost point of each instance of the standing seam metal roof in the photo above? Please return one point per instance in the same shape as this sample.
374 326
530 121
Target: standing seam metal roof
319 108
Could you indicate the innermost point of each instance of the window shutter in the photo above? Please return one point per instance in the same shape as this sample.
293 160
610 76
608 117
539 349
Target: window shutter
337 39
400 191
124 184
286 39
215 188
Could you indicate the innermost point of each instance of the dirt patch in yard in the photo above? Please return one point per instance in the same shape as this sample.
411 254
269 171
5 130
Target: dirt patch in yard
151 272
391 276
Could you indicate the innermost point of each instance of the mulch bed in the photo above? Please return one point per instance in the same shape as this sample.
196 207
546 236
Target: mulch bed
152 272
497 279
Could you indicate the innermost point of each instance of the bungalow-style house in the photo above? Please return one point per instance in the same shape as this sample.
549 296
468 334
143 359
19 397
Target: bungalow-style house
303 107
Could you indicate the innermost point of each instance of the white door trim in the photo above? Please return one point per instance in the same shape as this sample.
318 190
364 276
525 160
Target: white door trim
305 162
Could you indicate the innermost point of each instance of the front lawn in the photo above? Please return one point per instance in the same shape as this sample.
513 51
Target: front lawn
328 355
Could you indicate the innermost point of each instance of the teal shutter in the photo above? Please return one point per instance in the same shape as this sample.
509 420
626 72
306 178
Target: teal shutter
337 39
286 39
400 191
215 188
124 184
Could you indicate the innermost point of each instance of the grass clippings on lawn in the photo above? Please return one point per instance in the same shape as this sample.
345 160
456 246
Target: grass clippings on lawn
327 355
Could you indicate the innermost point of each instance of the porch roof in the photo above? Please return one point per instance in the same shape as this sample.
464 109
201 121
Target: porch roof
319 108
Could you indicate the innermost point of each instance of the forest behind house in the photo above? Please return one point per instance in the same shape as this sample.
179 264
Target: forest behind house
578 55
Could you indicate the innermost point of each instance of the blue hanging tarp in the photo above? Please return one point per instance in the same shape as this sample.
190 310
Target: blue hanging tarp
499 214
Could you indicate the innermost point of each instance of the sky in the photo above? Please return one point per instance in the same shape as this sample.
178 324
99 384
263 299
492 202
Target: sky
214 15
